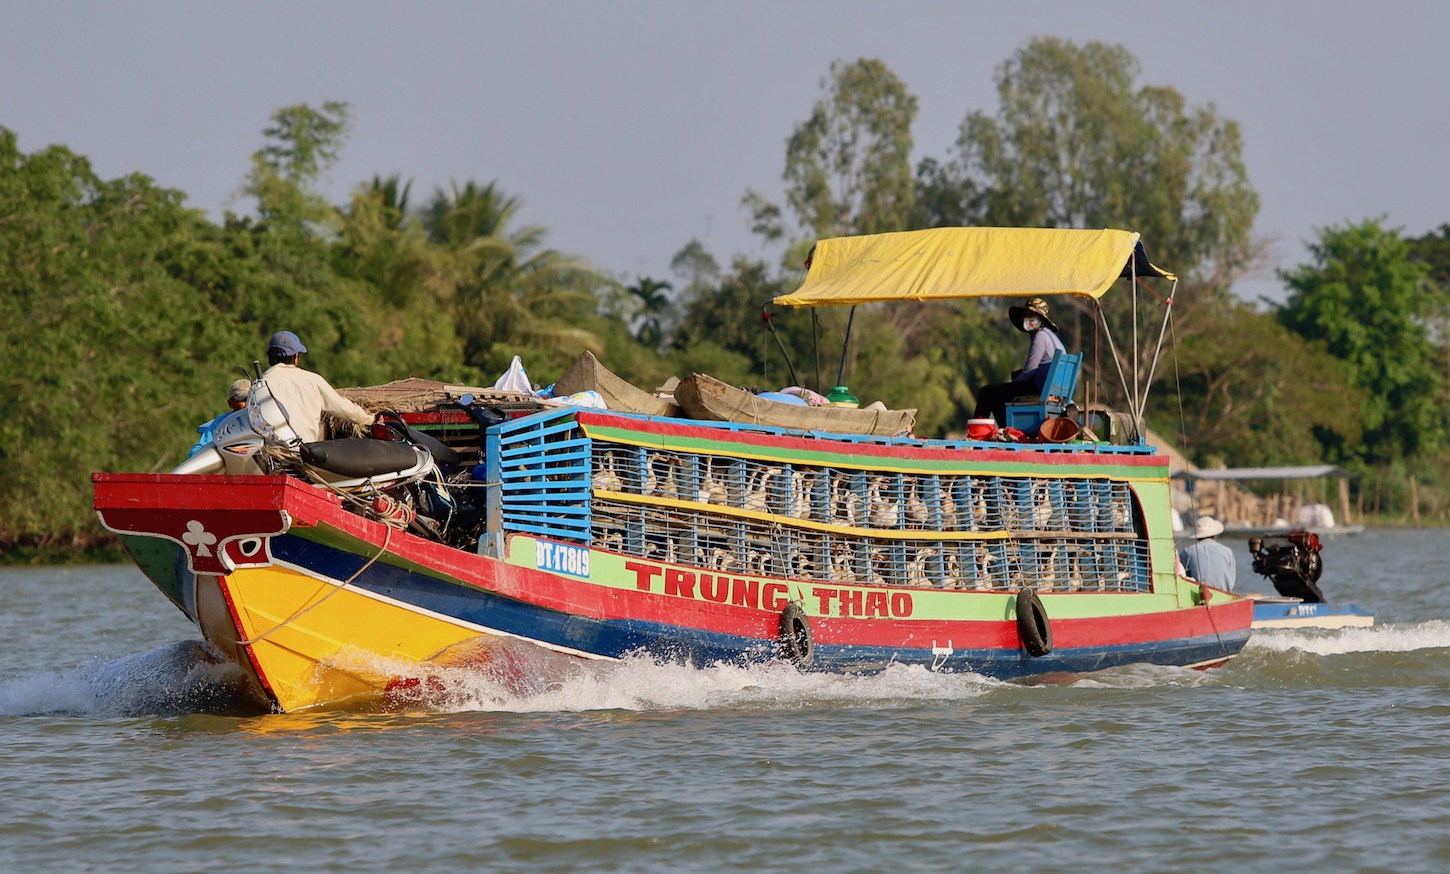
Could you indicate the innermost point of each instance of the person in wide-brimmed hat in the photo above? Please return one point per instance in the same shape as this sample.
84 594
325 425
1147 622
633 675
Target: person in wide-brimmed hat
1031 318
1207 560
1034 307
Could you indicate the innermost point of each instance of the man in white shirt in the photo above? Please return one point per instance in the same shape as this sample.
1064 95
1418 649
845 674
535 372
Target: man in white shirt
1207 560
303 394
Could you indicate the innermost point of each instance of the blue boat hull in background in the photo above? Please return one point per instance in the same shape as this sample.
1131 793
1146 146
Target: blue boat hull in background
1273 612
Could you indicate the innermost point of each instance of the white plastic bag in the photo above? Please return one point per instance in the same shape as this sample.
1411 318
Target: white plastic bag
588 398
515 379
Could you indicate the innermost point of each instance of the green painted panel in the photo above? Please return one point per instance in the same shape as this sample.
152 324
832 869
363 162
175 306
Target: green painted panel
160 560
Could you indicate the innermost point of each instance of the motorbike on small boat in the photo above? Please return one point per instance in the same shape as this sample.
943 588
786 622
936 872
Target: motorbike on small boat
1292 561
398 475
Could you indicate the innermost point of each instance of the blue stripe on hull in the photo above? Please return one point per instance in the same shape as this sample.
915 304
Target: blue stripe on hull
618 638
1008 664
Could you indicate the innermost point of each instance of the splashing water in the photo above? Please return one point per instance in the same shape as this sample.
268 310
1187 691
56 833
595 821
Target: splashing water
524 678
1433 634
180 678
514 676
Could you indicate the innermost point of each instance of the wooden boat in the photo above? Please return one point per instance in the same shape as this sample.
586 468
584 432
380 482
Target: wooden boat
619 394
600 535
704 397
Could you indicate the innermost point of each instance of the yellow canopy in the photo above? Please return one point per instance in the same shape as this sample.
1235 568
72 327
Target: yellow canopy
967 262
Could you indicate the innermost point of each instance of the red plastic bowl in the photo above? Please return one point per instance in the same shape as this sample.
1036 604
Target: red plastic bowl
981 429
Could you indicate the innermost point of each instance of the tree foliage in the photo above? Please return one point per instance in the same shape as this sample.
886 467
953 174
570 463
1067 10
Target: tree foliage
723 325
508 295
1254 392
1365 298
124 314
1077 143
302 142
99 323
653 306
848 165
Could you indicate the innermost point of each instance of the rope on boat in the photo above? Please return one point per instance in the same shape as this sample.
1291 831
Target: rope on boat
387 540
1204 596
796 641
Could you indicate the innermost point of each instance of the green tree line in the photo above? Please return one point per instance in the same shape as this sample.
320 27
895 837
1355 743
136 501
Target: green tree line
125 313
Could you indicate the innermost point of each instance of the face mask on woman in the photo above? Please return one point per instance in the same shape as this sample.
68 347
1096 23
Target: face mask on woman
1031 323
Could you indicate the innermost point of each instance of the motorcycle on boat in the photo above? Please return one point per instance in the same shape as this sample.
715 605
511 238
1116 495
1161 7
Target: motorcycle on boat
398 475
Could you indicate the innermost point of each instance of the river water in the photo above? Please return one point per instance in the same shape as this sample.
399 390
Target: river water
1315 750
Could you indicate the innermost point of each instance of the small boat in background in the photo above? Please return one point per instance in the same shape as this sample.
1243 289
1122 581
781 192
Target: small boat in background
705 397
1242 521
1273 611
1292 561
619 394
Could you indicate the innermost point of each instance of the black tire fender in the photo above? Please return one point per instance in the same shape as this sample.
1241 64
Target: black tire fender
1033 626
796 642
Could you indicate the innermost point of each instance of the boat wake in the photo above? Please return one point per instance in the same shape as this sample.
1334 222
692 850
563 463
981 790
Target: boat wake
1143 677
1382 657
512 676
186 677
523 678
1387 638
555 683
174 680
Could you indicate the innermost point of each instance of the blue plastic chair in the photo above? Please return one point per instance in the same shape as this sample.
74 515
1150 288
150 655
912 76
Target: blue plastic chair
1057 390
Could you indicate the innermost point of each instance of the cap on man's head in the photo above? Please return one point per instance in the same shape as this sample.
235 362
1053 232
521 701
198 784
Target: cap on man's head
285 342
239 390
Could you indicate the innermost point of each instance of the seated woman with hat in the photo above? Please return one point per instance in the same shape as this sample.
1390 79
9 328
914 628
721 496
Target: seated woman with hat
1032 319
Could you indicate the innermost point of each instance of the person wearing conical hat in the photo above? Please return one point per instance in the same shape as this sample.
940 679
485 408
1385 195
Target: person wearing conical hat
1207 560
1032 319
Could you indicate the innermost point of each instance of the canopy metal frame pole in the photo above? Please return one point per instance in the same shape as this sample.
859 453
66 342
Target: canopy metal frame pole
845 347
1134 405
769 318
1158 350
816 343
1117 362
1137 391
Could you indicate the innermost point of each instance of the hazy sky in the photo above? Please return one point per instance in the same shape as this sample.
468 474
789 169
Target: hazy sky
628 128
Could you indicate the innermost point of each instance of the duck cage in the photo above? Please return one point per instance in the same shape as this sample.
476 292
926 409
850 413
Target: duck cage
724 498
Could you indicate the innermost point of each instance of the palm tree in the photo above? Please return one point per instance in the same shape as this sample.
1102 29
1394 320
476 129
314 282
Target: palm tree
391 195
654 305
506 292
379 242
